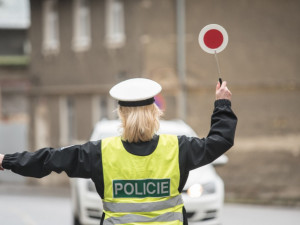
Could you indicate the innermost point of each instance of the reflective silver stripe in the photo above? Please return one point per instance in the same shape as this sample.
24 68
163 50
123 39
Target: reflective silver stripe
142 207
131 218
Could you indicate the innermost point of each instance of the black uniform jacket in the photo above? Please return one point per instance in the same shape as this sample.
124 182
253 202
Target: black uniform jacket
85 160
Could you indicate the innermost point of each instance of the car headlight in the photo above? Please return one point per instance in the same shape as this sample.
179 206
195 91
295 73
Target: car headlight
91 186
197 190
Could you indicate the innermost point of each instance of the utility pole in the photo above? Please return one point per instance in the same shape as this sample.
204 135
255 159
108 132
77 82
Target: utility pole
0 104
181 58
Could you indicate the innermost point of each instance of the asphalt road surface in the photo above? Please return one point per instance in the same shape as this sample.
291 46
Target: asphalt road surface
32 206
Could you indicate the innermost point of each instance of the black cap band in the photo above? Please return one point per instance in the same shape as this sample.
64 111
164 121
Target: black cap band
137 103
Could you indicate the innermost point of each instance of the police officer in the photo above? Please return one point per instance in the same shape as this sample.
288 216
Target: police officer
139 175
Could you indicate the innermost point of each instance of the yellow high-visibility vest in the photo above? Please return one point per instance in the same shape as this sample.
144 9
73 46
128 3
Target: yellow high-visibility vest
142 189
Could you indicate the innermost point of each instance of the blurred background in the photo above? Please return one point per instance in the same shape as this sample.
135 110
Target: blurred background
58 59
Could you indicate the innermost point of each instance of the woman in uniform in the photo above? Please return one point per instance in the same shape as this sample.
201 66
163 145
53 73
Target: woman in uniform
139 175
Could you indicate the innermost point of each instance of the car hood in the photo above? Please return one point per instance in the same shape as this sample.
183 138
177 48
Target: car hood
201 175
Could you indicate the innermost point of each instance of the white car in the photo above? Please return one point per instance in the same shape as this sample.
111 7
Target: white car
203 194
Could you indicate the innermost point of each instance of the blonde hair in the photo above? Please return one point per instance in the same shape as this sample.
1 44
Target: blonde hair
139 123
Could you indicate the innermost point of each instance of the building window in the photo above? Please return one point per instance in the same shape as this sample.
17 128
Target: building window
71 120
67 120
115 31
51 28
99 108
81 25
41 124
103 108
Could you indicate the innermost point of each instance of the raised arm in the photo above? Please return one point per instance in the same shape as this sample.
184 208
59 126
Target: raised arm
196 152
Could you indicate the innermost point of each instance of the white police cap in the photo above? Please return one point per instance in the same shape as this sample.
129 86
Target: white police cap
135 92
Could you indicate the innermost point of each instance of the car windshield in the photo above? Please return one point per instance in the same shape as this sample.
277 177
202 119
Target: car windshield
112 128
98 136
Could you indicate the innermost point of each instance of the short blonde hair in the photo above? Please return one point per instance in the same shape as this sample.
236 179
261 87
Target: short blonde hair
139 123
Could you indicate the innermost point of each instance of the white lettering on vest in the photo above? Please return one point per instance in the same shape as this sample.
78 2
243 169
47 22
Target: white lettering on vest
148 190
164 187
137 190
144 188
141 188
131 186
118 187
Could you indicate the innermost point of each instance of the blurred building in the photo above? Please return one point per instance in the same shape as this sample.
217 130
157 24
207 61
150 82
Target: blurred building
14 78
14 59
81 48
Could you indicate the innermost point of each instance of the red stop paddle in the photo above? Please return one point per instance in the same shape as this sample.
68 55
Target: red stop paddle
213 39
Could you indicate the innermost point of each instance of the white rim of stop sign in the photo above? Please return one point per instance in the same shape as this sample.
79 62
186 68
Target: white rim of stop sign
205 30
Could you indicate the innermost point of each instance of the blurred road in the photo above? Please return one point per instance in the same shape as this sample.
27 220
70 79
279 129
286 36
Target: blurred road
31 205
235 214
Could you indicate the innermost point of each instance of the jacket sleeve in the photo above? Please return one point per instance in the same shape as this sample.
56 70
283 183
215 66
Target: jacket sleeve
196 152
75 160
